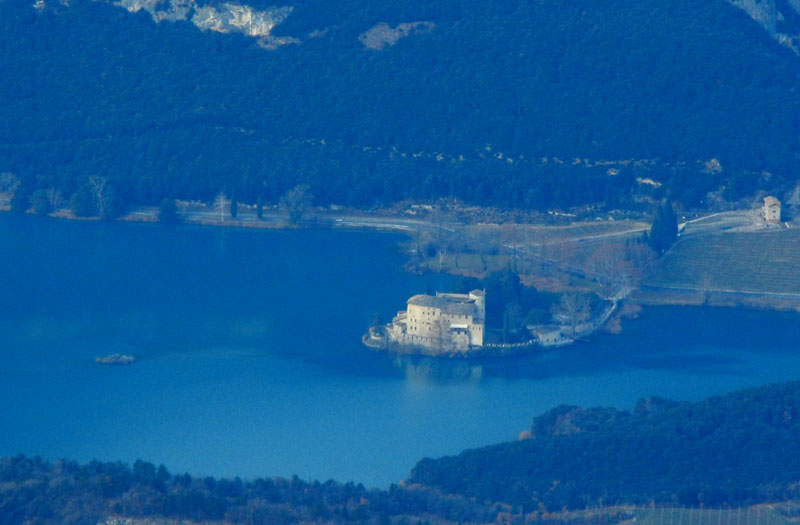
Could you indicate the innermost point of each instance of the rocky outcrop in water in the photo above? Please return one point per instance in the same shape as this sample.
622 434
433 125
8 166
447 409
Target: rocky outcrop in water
115 359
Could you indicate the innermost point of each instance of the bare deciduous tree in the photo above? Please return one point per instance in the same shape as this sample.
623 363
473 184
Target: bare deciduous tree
441 334
609 264
221 204
55 197
620 266
574 308
296 201
9 182
100 189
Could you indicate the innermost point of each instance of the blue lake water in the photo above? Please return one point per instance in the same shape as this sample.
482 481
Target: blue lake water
250 362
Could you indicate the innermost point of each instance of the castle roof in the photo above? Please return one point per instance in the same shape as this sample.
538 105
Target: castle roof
447 304
771 201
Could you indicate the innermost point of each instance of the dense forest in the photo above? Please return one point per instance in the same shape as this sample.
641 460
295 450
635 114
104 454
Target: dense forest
510 305
730 450
37 491
493 105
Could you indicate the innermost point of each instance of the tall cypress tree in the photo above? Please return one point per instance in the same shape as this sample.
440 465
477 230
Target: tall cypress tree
234 207
664 231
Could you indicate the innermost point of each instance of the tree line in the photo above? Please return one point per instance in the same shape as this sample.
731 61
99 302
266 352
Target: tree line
731 450
41 492
167 111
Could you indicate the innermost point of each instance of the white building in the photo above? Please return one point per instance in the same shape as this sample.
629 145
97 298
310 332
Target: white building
445 322
772 210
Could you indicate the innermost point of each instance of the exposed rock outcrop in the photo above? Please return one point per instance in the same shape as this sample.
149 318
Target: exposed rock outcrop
383 35
772 16
228 17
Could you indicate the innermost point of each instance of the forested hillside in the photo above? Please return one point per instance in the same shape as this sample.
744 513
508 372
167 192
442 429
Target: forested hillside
40 492
728 451
731 450
490 102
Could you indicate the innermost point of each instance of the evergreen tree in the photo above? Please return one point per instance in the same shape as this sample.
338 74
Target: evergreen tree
19 202
664 231
168 212
41 202
110 206
234 207
82 203
259 207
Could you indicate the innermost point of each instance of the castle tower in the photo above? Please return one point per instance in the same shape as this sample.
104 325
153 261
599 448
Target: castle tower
479 296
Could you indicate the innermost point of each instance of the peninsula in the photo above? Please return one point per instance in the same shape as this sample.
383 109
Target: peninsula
454 325
445 323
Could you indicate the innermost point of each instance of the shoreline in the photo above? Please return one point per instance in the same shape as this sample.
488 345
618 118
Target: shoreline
423 224
198 214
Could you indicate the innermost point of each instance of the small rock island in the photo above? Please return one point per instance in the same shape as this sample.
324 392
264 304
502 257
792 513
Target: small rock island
115 359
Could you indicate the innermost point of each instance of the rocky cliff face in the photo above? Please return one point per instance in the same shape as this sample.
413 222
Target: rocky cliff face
228 17
780 18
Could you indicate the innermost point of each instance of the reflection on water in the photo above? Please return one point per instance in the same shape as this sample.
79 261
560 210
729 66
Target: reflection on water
248 344
605 355
431 370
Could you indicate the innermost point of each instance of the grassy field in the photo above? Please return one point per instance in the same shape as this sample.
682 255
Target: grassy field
763 262
759 515
549 257
763 514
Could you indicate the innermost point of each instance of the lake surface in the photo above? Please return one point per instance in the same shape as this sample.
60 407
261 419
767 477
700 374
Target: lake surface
250 362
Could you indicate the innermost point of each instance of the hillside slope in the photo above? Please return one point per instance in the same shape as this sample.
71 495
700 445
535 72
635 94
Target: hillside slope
727 450
493 102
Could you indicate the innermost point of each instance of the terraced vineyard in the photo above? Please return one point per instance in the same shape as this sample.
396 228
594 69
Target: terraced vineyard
760 514
762 262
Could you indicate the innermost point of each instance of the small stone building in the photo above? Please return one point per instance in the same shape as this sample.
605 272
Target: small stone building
445 322
549 335
772 210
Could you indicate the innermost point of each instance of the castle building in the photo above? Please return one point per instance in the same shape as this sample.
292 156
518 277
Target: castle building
772 210
444 322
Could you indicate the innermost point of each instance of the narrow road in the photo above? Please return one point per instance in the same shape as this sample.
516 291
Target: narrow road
248 218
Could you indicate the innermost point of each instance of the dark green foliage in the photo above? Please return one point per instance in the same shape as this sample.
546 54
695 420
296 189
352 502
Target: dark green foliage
169 110
234 207
731 450
260 207
503 289
467 284
35 491
41 202
537 316
664 231
168 211
83 203
110 206
509 304
19 202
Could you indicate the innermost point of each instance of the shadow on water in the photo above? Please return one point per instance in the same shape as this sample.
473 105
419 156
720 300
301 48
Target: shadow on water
696 340
554 364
